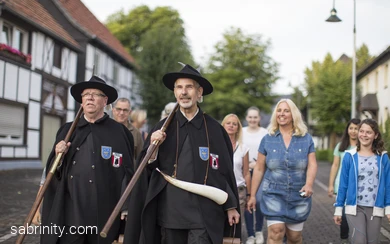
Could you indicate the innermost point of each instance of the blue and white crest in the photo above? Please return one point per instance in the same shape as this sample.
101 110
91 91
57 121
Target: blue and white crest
106 152
204 153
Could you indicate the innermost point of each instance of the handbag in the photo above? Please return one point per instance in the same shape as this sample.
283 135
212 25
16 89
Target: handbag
231 239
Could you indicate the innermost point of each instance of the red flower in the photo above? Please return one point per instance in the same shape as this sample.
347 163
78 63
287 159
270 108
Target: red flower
26 57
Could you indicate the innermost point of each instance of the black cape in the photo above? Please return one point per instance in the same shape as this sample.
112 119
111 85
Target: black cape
141 224
108 180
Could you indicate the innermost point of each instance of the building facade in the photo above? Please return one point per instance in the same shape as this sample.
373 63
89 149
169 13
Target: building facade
45 48
373 82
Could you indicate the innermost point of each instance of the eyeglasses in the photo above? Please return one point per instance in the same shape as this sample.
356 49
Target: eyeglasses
125 110
94 95
186 87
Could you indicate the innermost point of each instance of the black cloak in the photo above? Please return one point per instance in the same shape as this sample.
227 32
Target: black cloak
108 179
141 224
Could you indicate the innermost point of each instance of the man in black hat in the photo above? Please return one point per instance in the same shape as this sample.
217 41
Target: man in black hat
88 184
196 149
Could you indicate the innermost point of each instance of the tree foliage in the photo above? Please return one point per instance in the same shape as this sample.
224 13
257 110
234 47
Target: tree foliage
162 51
328 84
242 74
329 96
386 133
156 39
129 28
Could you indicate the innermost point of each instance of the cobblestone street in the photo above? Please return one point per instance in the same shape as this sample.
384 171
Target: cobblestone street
19 188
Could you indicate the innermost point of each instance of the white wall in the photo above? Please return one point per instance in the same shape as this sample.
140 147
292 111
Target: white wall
105 69
23 86
377 82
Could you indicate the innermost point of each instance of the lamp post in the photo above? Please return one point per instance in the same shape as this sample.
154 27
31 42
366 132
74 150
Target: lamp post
333 18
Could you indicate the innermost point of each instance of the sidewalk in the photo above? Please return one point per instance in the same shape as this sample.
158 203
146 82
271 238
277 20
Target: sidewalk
19 188
18 192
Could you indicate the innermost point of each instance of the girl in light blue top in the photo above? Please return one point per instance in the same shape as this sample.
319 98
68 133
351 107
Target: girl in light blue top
348 141
365 185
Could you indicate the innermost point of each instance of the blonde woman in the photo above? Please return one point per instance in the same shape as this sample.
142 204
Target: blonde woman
138 120
233 127
286 168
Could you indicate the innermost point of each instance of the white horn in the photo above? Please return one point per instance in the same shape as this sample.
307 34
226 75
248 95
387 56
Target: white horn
212 193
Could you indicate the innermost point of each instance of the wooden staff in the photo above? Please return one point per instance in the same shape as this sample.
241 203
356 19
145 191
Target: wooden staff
49 176
151 149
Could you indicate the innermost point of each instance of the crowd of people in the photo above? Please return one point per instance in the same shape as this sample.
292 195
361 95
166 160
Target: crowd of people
265 176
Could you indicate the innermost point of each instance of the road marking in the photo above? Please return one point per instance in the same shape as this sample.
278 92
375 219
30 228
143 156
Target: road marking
385 233
324 187
6 237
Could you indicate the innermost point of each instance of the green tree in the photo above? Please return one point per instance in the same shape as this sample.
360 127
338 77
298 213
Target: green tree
242 74
329 89
386 134
363 56
162 51
129 28
156 39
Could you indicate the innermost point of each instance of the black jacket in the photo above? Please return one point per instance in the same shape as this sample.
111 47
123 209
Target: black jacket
141 225
108 178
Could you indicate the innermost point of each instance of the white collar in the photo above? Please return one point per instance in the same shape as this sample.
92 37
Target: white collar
192 116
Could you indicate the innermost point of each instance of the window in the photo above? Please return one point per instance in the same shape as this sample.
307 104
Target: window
57 55
97 63
21 40
6 35
386 75
14 37
11 124
376 82
115 75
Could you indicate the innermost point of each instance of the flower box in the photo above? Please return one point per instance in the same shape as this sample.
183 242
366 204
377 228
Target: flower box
14 54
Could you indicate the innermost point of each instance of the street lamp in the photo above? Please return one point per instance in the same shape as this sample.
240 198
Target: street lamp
333 18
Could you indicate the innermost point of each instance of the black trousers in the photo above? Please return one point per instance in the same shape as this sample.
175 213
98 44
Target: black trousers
344 228
70 236
179 236
77 239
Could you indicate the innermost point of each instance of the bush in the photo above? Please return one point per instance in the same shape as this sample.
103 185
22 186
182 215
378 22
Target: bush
386 134
324 155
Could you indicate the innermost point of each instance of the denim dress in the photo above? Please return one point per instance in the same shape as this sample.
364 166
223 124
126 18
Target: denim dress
284 176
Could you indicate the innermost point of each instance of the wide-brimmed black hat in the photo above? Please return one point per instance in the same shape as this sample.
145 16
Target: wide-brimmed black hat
188 72
94 83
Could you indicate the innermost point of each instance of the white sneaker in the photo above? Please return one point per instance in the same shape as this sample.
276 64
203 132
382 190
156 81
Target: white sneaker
250 240
259 237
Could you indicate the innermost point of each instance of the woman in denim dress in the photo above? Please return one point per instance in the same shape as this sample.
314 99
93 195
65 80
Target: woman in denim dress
286 168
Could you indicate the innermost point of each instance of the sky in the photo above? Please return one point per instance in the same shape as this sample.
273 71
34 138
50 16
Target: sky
296 29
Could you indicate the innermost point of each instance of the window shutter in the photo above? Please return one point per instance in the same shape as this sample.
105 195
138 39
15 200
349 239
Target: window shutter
11 122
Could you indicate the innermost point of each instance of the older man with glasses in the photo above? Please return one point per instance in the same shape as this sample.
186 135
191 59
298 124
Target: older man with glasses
98 162
121 112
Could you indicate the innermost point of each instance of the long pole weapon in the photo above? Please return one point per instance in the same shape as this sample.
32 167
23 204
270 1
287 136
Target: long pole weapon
151 149
49 176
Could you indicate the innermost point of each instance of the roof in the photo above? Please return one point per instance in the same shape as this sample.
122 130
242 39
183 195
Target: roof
369 103
344 58
383 57
34 13
86 21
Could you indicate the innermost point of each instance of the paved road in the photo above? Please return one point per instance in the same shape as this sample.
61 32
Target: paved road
19 188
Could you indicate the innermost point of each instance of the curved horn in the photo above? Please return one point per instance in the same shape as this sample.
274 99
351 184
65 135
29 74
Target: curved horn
210 192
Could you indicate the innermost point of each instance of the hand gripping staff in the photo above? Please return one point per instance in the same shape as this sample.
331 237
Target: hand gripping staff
49 176
151 149
210 192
